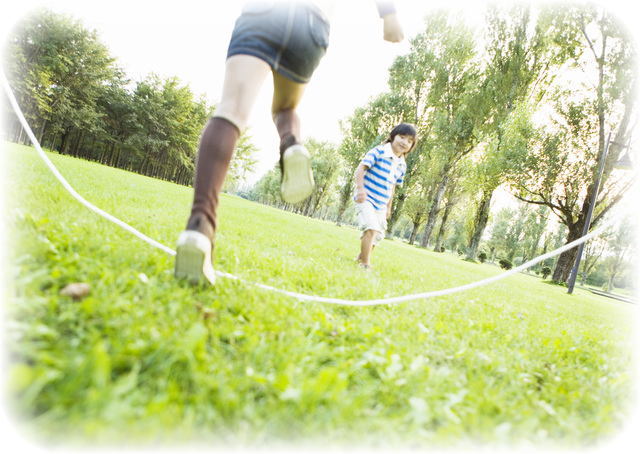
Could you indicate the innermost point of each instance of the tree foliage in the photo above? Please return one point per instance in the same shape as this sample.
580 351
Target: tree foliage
562 165
79 102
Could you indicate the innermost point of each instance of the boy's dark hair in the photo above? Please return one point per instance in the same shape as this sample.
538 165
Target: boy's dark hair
405 129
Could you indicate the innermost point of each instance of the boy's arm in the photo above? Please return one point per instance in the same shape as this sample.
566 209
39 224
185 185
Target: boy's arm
391 29
361 194
390 202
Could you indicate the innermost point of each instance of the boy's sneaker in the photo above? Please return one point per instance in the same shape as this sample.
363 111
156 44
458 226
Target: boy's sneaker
364 267
194 254
297 177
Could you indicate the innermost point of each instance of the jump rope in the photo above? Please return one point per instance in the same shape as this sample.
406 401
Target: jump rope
295 295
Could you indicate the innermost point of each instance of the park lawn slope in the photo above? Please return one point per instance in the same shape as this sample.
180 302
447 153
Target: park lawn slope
145 358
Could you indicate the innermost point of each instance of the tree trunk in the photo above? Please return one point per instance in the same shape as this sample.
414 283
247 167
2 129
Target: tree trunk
414 233
567 259
65 142
76 145
482 219
431 220
42 129
396 211
584 277
21 135
345 196
443 226
54 139
11 130
401 194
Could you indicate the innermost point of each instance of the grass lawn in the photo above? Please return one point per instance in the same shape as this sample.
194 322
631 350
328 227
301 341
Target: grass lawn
147 359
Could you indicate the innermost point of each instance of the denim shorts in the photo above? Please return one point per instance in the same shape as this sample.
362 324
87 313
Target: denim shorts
292 37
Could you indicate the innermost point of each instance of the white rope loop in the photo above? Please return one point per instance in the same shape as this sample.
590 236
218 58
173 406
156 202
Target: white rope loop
299 296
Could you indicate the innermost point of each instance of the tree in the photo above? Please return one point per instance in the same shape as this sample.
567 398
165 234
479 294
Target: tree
243 162
593 250
80 102
560 170
452 197
517 60
499 228
325 163
622 244
267 189
534 227
440 78
57 67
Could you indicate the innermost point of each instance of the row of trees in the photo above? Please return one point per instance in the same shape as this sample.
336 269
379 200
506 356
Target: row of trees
79 102
522 103
521 233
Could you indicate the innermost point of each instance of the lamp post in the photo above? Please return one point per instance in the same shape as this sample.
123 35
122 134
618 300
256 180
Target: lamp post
623 163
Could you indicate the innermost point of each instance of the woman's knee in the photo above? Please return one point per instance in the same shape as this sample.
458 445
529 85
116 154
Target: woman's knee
244 76
234 116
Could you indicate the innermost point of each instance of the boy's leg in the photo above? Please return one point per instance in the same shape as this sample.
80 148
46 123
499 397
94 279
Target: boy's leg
295 162
243 79
366 246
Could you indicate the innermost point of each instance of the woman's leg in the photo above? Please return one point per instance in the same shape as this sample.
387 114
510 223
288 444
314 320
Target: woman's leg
244 77
286 97
295 162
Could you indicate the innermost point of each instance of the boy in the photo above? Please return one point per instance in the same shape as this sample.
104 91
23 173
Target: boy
376 178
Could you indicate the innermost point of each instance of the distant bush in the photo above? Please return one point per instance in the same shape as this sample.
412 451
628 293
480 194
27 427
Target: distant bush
482 256
505 264
546 271
597 278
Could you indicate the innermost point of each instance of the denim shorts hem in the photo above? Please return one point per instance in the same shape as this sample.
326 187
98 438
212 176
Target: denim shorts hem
271 62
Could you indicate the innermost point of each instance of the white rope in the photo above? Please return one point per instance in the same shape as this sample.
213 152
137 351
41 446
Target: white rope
296 295
425 295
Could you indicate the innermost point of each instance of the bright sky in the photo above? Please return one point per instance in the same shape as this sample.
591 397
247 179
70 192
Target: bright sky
190 40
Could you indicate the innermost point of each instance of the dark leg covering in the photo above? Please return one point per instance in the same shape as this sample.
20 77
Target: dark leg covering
215 151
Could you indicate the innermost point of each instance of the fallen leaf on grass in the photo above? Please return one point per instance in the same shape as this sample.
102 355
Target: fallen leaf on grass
76 291
207 313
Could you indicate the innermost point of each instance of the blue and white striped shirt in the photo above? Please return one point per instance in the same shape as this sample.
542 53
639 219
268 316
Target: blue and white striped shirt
384 171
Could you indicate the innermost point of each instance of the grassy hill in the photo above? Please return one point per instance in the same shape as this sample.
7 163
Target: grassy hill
147 359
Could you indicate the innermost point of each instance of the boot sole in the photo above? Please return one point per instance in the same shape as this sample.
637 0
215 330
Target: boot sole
297 181
193 258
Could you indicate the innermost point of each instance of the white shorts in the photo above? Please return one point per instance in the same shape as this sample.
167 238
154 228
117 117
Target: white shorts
371 219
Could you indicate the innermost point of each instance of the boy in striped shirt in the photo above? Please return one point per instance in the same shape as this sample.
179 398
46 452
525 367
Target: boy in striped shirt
376 178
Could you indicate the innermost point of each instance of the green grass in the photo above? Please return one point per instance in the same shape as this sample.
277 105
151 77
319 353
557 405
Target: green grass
151 360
